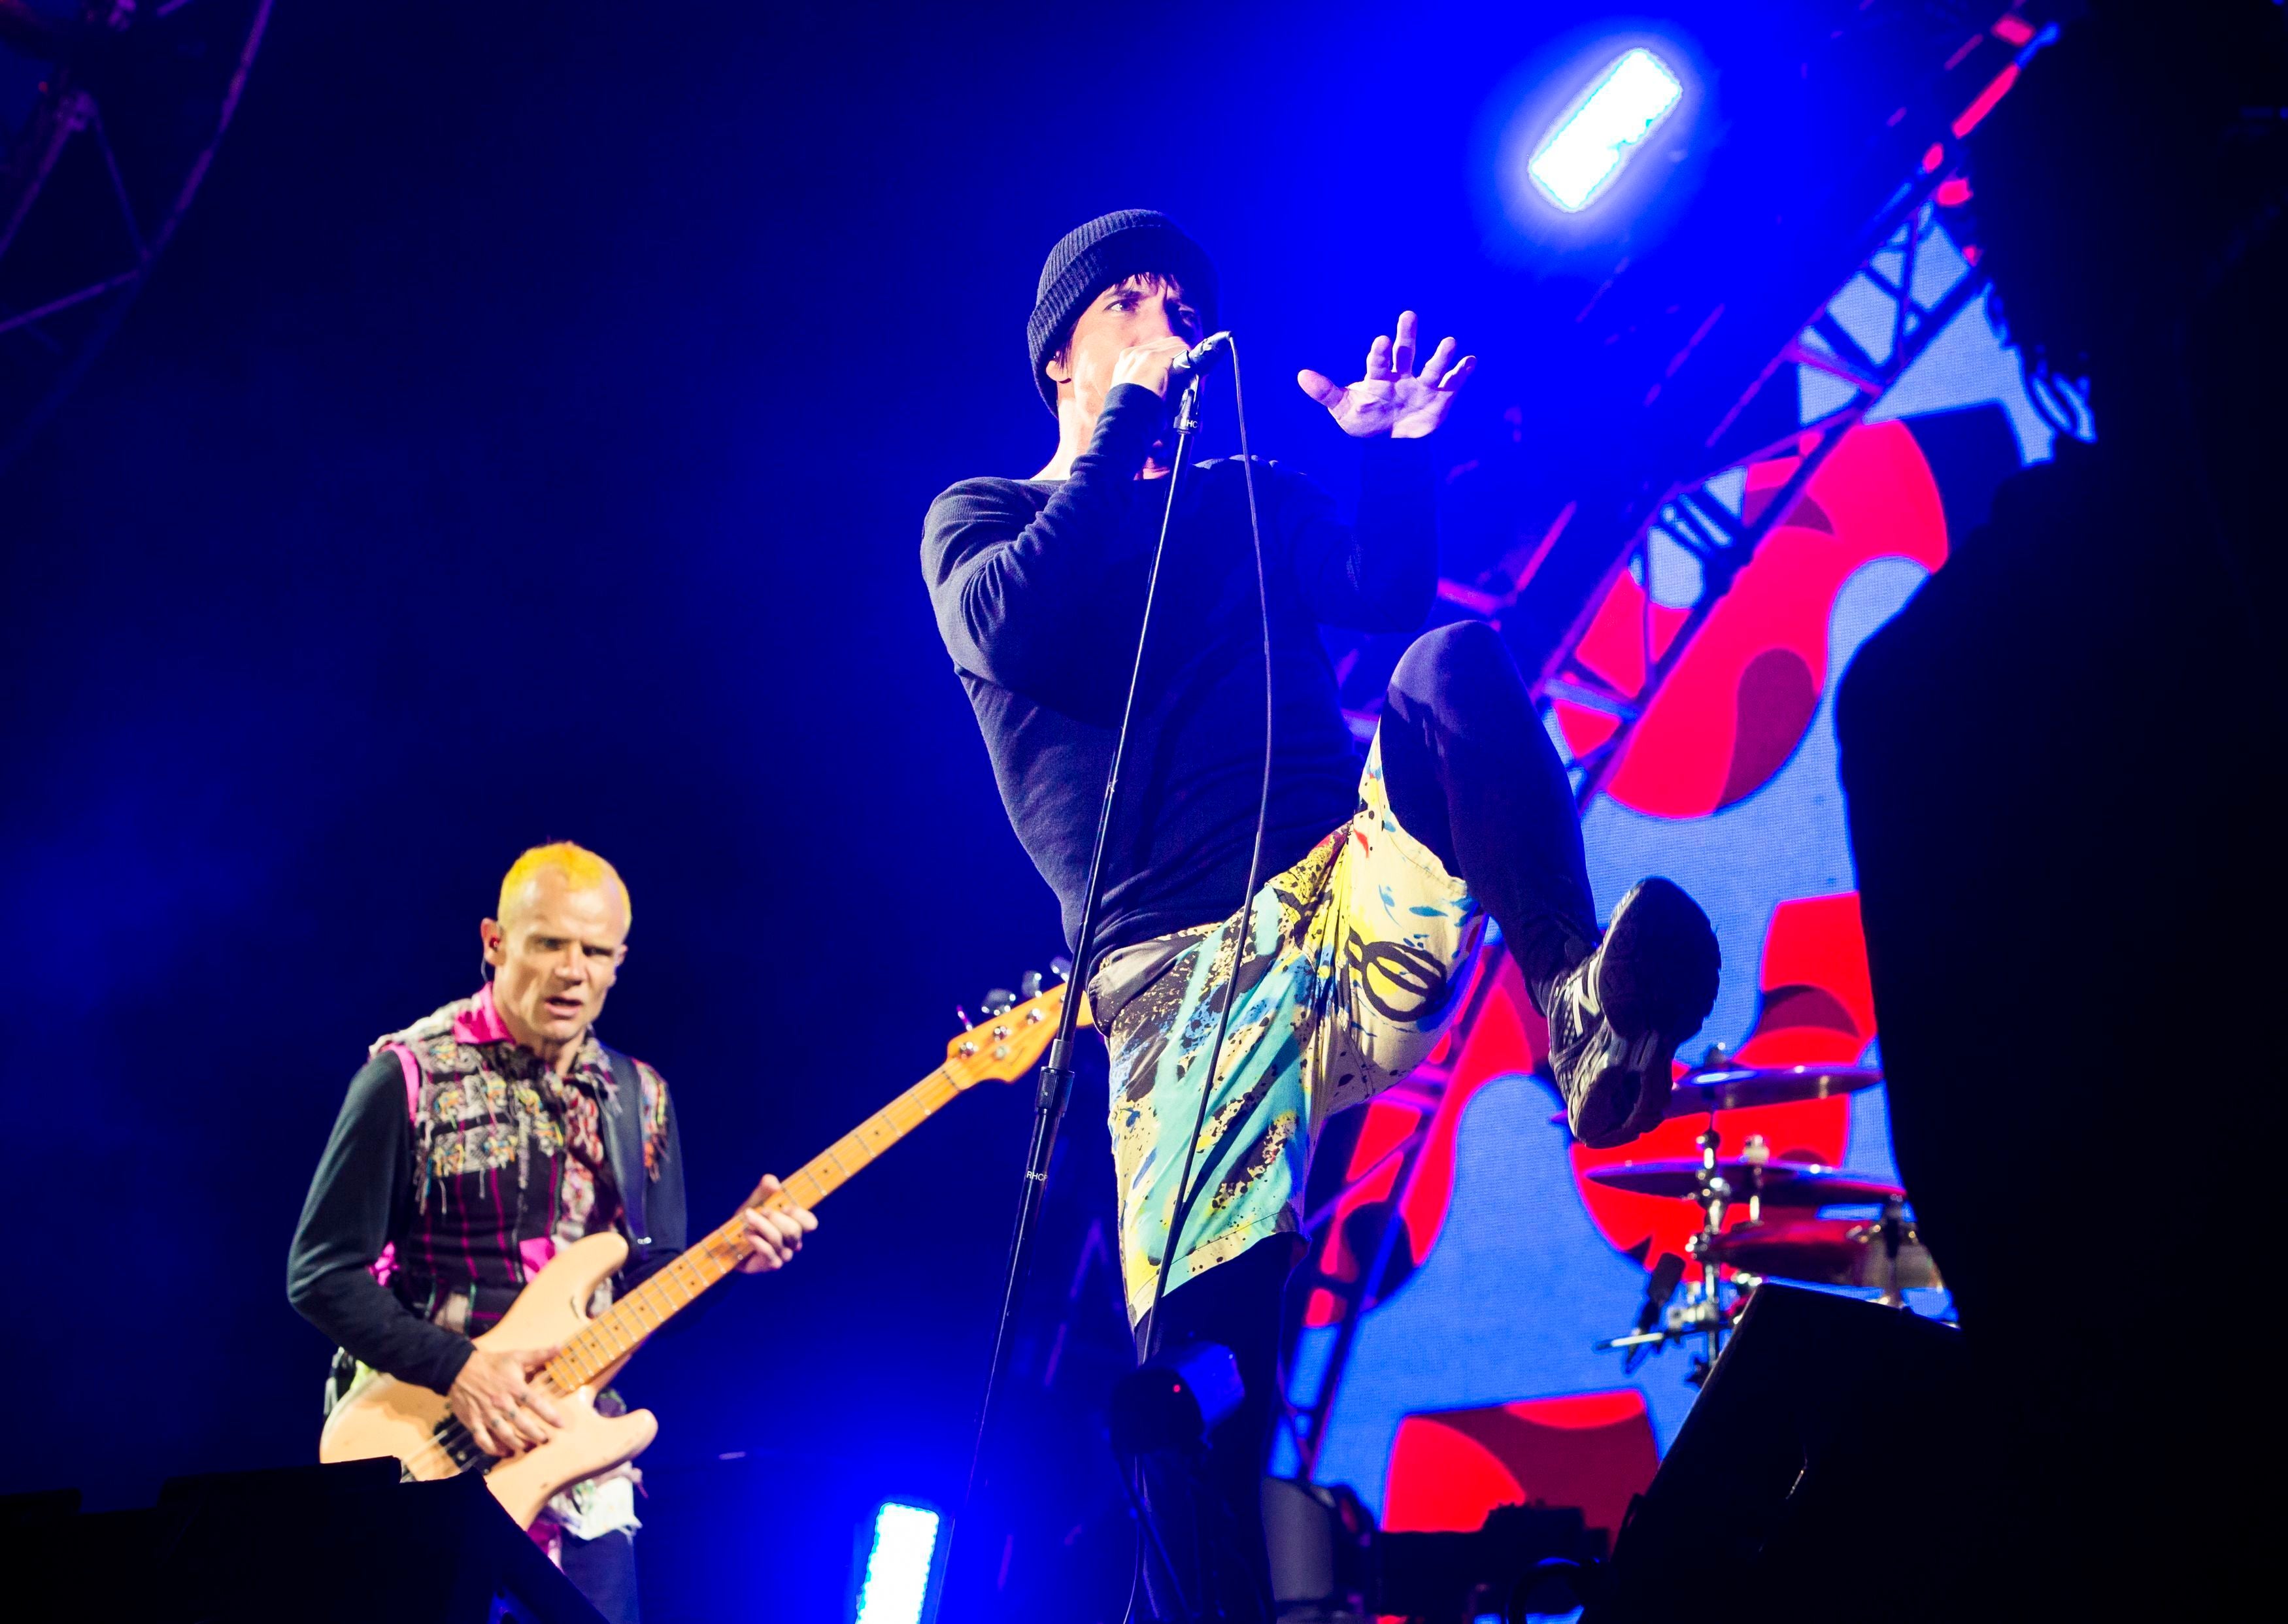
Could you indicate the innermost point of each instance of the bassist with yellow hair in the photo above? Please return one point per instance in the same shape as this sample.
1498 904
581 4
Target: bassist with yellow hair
474 1146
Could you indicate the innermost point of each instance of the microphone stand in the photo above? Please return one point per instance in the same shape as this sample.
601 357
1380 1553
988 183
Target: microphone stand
1056 1089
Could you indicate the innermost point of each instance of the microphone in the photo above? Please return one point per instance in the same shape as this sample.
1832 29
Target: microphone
1199 359
1666 1271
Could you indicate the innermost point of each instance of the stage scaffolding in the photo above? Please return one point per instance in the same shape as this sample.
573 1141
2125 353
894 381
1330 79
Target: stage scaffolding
1910 281
111 111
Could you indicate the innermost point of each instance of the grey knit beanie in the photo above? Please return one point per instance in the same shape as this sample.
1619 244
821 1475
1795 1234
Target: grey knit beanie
1105 252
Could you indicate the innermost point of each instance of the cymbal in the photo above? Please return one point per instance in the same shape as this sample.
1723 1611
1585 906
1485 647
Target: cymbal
1736 1088
1830 1252
1779 1184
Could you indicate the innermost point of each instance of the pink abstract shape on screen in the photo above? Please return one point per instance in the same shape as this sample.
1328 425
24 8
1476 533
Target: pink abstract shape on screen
1449 1468
1747 686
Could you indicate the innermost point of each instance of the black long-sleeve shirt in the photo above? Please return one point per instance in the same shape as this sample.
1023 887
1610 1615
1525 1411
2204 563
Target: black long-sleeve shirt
361 1200
1039 587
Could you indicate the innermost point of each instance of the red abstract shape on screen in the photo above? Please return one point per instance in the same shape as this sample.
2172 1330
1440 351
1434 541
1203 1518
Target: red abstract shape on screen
1449 1468
1818 1003
1507 1037
1370 1181
1745 690
1614 645
1817 1008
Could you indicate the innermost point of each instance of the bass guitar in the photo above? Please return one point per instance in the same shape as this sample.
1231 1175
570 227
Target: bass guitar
383 1416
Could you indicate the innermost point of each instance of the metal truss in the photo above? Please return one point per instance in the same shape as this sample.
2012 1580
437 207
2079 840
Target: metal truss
1907 288
1704 519
99 170
1864 338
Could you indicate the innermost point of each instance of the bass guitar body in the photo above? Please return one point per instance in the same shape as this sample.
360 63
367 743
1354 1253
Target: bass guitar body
383 1416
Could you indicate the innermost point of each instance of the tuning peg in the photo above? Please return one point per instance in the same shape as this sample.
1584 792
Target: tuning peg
1030 986
1000 1001
961 1016
1061 967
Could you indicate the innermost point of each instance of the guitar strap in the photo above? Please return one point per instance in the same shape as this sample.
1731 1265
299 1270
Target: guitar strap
624 1148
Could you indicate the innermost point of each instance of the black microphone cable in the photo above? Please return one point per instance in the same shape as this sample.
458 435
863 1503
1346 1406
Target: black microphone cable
1181 1213
1056 1072
1185 1195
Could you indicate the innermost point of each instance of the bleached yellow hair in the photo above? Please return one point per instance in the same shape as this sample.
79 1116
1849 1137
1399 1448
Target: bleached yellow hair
583 870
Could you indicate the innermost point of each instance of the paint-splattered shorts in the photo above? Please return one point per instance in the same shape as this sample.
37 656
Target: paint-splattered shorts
1352 960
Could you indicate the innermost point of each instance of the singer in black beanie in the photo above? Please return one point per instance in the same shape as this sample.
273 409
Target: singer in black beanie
1375 878
1104 252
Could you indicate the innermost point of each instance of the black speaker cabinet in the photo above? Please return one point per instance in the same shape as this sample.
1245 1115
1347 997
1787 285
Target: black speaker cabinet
347 1543
1820 1476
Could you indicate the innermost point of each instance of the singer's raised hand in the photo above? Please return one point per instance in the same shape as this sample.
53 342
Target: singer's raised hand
1393 399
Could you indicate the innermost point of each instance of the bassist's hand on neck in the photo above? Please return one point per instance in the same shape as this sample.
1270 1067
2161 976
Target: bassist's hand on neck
773 1232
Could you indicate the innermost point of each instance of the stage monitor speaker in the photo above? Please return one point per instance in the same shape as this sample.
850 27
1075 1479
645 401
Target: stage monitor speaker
347 1543
1818 1477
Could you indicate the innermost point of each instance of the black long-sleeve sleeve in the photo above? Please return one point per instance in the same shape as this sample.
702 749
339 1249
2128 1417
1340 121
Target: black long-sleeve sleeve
1006 604
360 1197
1381 573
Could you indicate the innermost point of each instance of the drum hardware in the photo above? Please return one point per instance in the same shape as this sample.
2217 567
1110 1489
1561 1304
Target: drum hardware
1772 1183
1885 1252
1884 1255
1705 1312
1719 1086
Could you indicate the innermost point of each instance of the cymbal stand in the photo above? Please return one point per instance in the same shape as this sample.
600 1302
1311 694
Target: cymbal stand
1703 1312
1894 1236
1703 1304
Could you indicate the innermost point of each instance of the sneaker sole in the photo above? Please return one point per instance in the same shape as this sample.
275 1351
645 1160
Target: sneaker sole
1616 1096
1655 984
1660 965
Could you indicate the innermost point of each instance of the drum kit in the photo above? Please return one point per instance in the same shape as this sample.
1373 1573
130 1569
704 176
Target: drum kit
1790 1242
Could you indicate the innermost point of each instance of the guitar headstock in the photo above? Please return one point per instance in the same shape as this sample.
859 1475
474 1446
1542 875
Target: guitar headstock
1007 1042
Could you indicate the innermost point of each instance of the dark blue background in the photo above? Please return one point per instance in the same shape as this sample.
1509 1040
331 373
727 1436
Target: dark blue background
527 437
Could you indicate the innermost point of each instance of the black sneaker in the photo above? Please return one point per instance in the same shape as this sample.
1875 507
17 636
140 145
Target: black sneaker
1616 1018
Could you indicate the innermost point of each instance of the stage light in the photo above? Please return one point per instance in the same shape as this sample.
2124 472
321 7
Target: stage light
898 1564
1579 158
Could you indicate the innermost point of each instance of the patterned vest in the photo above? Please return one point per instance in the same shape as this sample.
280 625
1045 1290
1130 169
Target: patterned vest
509 1161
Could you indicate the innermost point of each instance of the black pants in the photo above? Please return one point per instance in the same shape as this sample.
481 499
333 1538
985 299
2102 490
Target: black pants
1203 1555
1470 774
604 1571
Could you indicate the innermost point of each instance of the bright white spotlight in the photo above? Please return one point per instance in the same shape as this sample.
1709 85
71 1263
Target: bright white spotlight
1579 158
898 1564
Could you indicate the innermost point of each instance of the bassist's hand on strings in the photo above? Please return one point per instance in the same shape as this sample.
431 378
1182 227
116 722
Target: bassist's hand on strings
495 1400
774 1234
